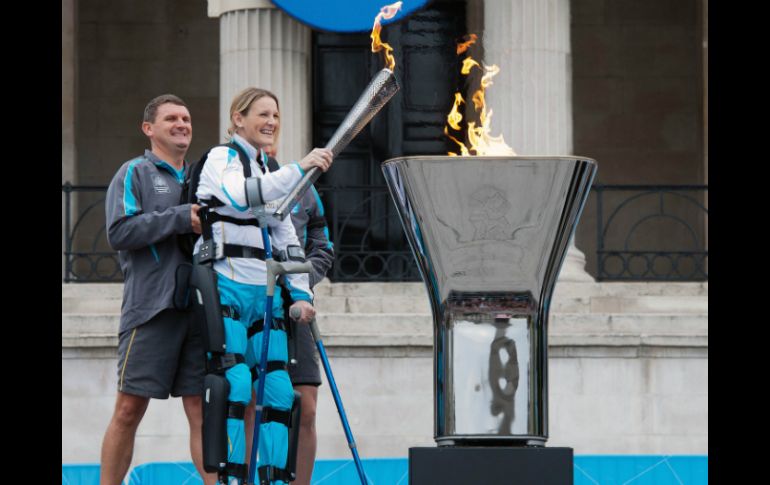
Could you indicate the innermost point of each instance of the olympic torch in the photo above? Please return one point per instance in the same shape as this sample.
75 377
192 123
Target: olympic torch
379 91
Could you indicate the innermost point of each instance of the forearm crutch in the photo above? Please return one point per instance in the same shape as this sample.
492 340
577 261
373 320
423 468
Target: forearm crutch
294 313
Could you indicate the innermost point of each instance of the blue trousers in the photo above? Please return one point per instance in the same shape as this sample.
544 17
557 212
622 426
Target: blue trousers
249 301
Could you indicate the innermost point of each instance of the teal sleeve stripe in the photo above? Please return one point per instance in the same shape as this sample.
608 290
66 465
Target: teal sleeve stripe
302 172
318 201
232 202
297 294
129 201
231 155
326 233
155 253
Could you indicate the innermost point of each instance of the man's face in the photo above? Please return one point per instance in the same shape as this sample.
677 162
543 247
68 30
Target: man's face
172 128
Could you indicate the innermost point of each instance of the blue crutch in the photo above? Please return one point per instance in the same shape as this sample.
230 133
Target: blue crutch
274 269
294 313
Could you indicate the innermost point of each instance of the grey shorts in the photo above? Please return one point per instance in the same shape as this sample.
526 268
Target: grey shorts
306 372
161 357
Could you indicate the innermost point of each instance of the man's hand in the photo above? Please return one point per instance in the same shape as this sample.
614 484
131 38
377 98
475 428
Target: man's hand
307 312
196 222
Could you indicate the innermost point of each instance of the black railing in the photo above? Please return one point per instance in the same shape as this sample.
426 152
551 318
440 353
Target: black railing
652 232
87 258
369 243
644 233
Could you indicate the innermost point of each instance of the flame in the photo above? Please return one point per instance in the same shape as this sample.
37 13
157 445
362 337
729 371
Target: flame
386 12
463 46
468 64
480 139
463 150
455 117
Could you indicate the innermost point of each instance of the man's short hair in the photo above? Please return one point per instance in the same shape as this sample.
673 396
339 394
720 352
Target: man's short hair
151 110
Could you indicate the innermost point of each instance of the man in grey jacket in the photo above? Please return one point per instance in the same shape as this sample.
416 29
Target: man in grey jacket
160 350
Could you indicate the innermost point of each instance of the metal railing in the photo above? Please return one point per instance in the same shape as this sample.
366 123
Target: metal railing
651 232
643 233
93 260
369 243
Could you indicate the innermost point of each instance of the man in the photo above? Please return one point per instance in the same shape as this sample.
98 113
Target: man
160 351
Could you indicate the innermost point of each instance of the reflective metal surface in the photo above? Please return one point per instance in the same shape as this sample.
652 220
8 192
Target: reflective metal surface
489 235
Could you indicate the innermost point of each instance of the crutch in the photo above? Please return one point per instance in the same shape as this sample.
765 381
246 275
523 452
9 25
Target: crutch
274 269
294 313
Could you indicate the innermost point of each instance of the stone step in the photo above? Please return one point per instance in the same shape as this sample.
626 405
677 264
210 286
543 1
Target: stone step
566 290
375 329
412 304
106 298
372 304
92 290
649 304
109 305
629 289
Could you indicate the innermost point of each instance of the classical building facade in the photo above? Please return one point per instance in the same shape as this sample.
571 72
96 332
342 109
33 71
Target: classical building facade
623 82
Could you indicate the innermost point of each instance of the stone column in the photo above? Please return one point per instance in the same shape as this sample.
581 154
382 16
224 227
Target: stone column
261 46
531 98
705 29
68 90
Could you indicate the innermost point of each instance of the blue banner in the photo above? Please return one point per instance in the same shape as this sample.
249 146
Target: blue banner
344 15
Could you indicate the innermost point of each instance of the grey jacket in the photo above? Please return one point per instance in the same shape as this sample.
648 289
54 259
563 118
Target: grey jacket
308 217
143 220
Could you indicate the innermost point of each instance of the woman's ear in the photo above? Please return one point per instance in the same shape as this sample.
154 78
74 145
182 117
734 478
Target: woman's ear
238 119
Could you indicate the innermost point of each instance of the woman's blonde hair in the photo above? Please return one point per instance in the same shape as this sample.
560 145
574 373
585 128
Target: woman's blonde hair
242 102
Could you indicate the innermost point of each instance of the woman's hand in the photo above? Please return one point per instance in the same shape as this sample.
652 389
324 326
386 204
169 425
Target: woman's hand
319 157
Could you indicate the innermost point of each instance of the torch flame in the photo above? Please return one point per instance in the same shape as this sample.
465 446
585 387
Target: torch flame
463 46
479 137
386 12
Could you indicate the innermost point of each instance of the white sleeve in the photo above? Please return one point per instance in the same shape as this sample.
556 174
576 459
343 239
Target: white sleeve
278 184
298 283
222 177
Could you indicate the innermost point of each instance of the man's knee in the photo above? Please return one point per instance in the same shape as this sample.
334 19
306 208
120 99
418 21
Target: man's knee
129 410
193 407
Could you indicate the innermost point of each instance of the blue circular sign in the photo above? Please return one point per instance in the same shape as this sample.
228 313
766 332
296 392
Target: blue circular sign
344 15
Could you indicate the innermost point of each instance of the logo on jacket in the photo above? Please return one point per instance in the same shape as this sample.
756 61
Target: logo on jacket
161 187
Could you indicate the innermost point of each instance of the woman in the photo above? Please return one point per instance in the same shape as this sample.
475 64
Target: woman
255 121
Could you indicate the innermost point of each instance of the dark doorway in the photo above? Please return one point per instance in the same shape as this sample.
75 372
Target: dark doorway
364 226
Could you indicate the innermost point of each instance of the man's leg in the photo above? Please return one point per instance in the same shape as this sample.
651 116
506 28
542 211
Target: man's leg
193 407
307 434
118 444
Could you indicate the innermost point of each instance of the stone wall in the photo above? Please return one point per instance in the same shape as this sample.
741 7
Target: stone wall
628 371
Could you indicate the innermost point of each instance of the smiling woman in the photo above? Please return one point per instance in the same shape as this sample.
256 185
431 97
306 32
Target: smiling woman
255 117
238 269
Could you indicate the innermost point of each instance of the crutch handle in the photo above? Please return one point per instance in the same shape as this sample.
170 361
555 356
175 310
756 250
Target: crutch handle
295 313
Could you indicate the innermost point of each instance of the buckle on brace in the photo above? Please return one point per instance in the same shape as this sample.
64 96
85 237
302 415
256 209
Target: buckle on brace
295 253
227 360
209 251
